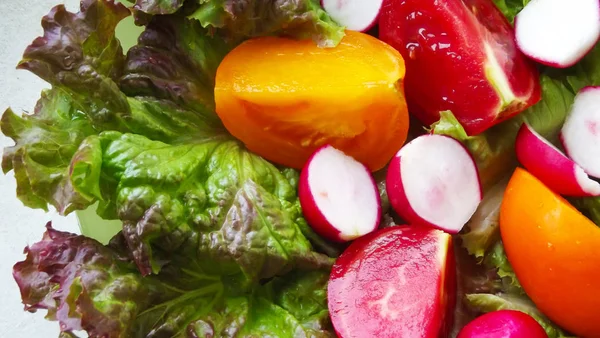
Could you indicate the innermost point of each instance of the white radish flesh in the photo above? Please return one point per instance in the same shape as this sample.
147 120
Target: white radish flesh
546 162
433 180
355 15
580 135
338 195
558 33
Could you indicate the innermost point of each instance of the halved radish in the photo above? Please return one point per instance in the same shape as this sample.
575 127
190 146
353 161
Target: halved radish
551 166
338 195
396 282
503 324
558 33
580 135
433 180
355 15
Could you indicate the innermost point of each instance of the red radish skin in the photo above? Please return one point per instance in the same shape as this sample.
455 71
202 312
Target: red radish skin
355 15
580 134
503 324
339 196
558 33
397 282
433 180
551 166
460 55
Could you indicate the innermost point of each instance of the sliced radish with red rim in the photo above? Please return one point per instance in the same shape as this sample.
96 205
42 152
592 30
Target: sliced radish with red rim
433 180
355 15
339 196
580 135
551 166
558 33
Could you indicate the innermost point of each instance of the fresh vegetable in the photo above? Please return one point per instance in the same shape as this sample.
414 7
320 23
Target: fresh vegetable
483 226
87 286
396 282
551 166
459 57
552 248
487 302
356 15
214 242
338 195
170 173
558 33
494 150
580 133
510 8
433 180
238 20
287 107
216 231
503 324
490 284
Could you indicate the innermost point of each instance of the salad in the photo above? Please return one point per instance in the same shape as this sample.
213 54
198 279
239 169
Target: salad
296 168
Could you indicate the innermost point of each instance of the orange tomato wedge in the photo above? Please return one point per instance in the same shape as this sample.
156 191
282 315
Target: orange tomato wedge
555 253
286 98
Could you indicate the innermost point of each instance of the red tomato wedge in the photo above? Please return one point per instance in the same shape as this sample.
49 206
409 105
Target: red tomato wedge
396 282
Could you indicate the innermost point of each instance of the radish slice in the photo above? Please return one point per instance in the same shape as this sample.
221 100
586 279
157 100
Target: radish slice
558 33
338 195
580 135
551 166
433 180
355 15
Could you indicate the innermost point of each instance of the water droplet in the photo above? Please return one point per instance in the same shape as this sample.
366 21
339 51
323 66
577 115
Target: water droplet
413 48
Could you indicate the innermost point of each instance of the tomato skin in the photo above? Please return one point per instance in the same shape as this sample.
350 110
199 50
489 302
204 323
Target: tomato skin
396 282
450 48
286 98
553 249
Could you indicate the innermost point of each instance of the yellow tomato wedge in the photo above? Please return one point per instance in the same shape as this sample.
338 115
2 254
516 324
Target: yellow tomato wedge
285 98
554 251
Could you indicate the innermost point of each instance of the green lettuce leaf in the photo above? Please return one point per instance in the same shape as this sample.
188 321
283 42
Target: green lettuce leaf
492 285
176 60
586 72
237 207
510 8
589 206
158 160
82 284
87 286
45 142
483 227
486 302
497 259
80 55
238 19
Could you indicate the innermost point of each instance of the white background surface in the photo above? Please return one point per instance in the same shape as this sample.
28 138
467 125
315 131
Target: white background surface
19 226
